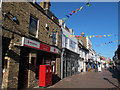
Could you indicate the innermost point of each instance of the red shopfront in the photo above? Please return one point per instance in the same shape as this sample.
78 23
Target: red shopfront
46 55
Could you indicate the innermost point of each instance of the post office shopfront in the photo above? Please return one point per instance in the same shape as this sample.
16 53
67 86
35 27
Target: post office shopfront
33 54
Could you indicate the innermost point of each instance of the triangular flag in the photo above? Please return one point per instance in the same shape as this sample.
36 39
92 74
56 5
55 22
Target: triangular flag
57 28
97 36
73 35
64 18
104 35
73 11
70 13
66 35
67 16
81 8
76 36
88 4
100 35
86 36
70 35
90 36
93 35
108 35
77 10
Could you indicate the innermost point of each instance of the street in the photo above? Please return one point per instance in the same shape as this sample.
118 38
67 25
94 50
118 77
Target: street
104 79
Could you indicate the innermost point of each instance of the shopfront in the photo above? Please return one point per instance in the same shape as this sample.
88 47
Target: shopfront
70 63
34 54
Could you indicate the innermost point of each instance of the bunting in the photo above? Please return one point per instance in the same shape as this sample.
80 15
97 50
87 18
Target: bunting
110 42
75 11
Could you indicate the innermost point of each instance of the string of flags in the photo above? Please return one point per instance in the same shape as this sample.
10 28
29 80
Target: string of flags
94 35
110 42
74 11
109 35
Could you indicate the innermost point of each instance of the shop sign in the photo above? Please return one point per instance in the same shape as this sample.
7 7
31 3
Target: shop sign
44 47
30 43
34 44
53 49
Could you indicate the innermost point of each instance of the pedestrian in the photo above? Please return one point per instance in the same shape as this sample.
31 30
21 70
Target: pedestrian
95 67
99 67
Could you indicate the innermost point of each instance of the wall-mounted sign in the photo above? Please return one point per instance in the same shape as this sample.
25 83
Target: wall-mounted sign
53 49
44 47
30 43
36 45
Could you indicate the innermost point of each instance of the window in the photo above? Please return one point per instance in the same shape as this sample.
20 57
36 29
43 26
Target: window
54 37
71 43
63 40
33 25
66 41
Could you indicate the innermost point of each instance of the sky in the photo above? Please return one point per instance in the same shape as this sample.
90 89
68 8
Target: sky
101 18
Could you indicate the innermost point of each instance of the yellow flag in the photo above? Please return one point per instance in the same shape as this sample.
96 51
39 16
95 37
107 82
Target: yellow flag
108 35
70 35
81 8
90 36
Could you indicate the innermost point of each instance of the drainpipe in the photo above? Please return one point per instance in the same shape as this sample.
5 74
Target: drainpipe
62 63
0 48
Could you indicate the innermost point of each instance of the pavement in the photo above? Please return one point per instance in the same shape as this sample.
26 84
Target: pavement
104 79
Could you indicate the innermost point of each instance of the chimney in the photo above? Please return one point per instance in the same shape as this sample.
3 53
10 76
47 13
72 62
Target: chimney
45 4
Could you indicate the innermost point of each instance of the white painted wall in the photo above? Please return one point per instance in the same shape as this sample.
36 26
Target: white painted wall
71 43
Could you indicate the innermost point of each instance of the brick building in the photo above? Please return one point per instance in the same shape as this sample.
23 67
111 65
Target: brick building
31 36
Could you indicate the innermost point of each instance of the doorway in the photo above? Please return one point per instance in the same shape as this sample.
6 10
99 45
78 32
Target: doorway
23 68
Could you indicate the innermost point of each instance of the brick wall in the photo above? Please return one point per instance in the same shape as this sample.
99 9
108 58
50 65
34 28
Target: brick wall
15 32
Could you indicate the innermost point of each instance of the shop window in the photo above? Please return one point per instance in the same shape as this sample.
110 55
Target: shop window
33 26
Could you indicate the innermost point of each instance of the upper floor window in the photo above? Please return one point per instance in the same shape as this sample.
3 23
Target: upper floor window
54 35
63 40
33 26
66 42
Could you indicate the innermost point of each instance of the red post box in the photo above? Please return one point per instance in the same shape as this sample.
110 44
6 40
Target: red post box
45 75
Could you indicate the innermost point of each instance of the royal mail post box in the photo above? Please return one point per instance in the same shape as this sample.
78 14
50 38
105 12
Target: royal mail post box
45 75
